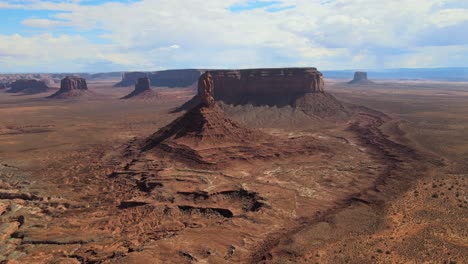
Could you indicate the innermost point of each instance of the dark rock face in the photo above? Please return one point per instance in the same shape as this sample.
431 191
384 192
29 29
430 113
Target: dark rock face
142 89
143 84
271 87
299 88
266 82
71 86
360 78
70 83
2 86
206 89
203 125
169 78
28 86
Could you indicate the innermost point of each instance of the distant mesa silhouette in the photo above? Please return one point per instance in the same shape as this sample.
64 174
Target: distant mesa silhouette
360 78
28 86
142 90
167 78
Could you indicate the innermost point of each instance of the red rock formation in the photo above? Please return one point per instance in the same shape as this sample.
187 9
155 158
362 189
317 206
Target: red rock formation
71 86
142 90
300 88
28 86
70 83
206 89
267 82
272 87
360 78
204 125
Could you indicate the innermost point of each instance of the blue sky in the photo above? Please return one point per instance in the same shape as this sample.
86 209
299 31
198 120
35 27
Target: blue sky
100 35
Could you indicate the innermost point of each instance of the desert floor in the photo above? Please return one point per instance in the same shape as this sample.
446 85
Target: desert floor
389 185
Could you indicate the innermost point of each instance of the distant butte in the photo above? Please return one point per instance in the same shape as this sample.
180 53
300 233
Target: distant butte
142 90
72 87
28 86
168 78
360 78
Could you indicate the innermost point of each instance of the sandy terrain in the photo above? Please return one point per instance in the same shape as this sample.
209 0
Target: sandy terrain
379 187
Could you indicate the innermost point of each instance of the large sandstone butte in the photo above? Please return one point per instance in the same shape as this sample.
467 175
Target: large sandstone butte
70 87
168 78
360 78
142 90
204 125
300 88
28 86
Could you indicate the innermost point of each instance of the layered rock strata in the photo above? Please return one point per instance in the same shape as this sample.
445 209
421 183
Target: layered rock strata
71 86
142 90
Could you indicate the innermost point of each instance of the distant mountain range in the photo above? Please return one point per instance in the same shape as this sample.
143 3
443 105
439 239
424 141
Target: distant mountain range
455 74
441 74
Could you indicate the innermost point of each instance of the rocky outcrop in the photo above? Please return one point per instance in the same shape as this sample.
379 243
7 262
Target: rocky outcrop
360 78
71 83
3 86
204 125
271 87
168 78
27 86
71 86
206 90
142 90
300 88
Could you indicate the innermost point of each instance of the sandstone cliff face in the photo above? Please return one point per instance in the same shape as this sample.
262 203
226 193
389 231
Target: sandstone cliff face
73 83
28 86
271 87
299 88
71 86
169 78
360 78
203 125
142 90
267 81
206 90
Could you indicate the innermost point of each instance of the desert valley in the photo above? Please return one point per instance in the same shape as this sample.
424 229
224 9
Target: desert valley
232 166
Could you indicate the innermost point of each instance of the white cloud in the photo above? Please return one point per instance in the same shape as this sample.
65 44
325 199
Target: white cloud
156 34
40 23
450 17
